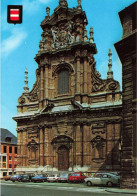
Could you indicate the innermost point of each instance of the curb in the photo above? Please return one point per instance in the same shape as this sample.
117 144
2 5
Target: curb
120 192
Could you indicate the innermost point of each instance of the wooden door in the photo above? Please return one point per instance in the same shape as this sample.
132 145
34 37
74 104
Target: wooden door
63 158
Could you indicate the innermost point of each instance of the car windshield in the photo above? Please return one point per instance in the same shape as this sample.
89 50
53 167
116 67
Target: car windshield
37 176
64 175
14 176
25 176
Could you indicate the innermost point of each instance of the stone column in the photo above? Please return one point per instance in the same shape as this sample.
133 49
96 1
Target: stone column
85 71
41 147
46 147
86 145
78 145
78 72
41 85
46 81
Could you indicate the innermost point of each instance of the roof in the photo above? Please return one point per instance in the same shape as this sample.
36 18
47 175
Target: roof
6 133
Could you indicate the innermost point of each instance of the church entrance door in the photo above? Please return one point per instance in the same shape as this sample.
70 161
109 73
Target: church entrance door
63 158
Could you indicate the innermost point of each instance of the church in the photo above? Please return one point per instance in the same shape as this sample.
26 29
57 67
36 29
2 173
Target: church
72 119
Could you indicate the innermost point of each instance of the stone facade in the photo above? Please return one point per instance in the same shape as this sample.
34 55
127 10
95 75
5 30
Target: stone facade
71 119
127 52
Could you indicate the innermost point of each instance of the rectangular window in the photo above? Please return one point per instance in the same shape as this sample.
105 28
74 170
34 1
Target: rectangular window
4 165
4 158
10 165
5 149
10 158
63 82
10 149
15 150
4 173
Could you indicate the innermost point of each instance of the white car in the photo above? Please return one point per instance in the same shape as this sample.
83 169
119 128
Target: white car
53 178
107 179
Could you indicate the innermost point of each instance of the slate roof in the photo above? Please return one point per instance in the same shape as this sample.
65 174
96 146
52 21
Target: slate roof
6 133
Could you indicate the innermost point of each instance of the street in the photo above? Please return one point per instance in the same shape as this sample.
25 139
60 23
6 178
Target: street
52 189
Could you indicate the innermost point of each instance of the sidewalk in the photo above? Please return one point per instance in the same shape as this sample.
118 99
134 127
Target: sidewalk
124 191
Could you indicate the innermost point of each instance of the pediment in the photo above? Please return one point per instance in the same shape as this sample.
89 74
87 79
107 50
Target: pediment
32 143
76 104
48 108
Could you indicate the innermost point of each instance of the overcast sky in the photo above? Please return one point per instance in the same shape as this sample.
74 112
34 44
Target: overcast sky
20 43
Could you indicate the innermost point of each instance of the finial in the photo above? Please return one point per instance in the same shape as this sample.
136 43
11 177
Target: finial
85 31
48 10
26 89
91 39
63 3
79 4
110 72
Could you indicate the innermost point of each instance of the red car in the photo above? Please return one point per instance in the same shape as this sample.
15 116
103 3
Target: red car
8 177
77 177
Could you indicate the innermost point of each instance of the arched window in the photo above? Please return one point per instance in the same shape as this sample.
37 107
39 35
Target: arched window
63 82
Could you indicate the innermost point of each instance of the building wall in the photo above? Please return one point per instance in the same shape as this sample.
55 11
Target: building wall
10 158
84 134
127 51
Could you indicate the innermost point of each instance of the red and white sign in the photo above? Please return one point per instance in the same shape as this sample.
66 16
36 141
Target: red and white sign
14 14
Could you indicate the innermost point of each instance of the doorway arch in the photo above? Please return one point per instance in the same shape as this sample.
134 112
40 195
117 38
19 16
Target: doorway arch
63 158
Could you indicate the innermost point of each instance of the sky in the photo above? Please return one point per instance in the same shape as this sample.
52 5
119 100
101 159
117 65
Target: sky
20 44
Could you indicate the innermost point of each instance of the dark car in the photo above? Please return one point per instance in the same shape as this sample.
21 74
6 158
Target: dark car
63 177
6 178
39 178
16 177
25 178
77 177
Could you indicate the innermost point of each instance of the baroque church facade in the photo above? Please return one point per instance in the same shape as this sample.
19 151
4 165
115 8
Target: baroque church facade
71 120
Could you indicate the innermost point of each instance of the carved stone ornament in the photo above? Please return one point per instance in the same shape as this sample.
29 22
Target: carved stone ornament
84 53
62 140
98 140
22 100
113 86
63 3
33 145
77 53
98 128
62 35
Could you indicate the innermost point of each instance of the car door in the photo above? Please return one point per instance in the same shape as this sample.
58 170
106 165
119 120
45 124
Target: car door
105 179
97 179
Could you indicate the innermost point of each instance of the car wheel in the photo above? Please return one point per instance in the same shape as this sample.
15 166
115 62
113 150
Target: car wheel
109 184
89 183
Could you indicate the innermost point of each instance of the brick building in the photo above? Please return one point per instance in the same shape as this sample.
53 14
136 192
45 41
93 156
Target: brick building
8 156
127 51
72 119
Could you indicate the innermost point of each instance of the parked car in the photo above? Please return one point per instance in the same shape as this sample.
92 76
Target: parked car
53 178
107 179
26 178
117 174
8 177
63 177
77 177
39 178
16 177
